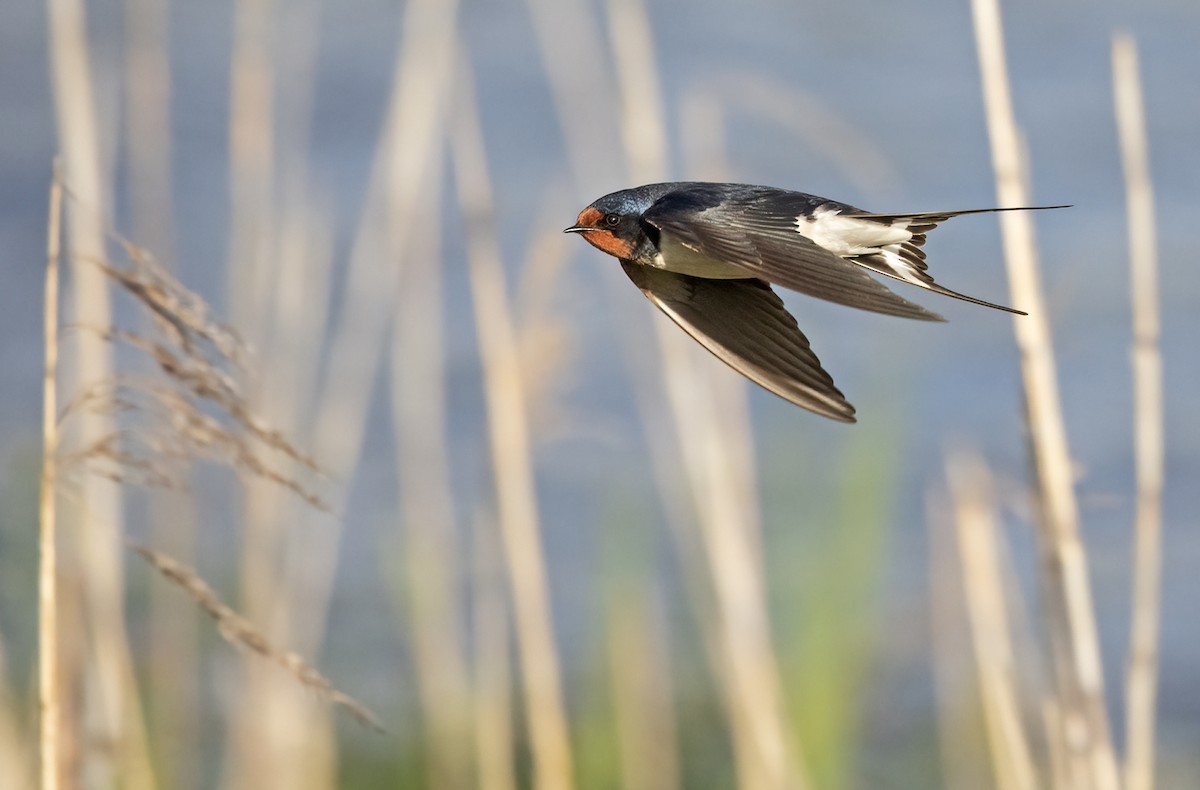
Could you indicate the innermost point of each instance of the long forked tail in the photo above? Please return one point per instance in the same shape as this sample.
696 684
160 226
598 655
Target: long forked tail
905 260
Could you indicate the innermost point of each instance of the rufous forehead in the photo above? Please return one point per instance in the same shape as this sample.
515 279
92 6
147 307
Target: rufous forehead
589 217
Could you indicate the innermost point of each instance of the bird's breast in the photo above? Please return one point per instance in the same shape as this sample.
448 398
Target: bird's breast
676 257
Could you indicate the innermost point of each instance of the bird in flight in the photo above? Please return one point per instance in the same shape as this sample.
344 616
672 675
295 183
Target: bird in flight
707 254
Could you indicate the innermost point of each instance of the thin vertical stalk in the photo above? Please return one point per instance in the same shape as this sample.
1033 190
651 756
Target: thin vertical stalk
251 266
48 689
1141 679
113 709
493 674
337 402
409 153
148 116
1069 609
640 671
430 548
173 633
987 615
512 462
962 755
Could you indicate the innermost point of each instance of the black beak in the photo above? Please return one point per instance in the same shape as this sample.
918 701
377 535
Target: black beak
577 229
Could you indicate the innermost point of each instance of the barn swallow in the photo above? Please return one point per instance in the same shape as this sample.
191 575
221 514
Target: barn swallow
707 254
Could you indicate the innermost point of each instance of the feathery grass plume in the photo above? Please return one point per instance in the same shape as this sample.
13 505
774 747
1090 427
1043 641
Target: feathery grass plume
240 631
195 409
1141 679
1068 608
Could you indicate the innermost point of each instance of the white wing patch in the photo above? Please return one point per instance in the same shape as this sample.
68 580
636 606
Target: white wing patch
850 237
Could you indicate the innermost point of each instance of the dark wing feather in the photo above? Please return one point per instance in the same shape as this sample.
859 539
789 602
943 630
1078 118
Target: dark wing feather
758 233
744 323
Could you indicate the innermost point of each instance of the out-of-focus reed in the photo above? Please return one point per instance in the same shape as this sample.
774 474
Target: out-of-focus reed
1141 679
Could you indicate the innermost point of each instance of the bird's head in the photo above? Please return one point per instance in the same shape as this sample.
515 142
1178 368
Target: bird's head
612 224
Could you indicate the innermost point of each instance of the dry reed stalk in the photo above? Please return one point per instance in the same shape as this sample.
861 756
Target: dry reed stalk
545 334
1056 745
512 462
258 729
148 119
334 408
283 281
1069 611
114 710
713 430
962 754
493 708
49 707
572 54
985 584
430 549
409 153
252 268
640 668
173 687
1141 680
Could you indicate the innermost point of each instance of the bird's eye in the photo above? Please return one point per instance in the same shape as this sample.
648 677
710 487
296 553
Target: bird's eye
612 220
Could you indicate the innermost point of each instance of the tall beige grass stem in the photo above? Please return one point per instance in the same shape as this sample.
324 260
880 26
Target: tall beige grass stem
962 749
265 730
713 430
48 688
114 715
252 133
334 409
1069 608
639 662
173 687
980 556
1141 681
431 564
512 462
148 115
409 153
493 673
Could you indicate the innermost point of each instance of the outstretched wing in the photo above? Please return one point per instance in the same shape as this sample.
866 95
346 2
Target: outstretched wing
744 323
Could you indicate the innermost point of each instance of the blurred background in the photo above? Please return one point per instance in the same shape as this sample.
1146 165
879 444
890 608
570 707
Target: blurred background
560 545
